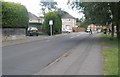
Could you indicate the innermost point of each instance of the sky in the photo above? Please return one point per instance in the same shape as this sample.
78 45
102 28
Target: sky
34 7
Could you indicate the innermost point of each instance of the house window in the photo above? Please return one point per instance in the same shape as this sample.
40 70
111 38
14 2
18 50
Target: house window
30 20
67 19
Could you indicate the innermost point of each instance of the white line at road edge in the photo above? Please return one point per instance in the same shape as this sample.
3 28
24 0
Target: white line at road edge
52 63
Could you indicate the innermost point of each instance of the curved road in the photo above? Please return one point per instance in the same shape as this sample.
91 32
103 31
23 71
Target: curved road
30 58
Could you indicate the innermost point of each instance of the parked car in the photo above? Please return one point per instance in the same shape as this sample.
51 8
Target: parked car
32 31
66 31
99 30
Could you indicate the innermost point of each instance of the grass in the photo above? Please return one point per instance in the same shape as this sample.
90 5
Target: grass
110 54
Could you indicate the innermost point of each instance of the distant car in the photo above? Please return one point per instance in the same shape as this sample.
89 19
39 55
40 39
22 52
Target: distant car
87 30
32 31
99 30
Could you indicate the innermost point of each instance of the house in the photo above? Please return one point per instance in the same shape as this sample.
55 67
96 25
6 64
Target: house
35 21
95 28
41 19
32 18
68 22
92 27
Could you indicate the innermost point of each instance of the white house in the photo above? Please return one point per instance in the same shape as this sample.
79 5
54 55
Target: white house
68 22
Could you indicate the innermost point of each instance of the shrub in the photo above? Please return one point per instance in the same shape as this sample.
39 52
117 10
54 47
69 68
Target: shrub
57 23
14 15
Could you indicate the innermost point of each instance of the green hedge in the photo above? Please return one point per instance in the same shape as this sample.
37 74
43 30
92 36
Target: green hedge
14 15
57 23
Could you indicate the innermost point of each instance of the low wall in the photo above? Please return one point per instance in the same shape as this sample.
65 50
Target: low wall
13 34
13 31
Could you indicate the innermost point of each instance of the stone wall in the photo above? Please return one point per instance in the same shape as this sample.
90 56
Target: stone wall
13 33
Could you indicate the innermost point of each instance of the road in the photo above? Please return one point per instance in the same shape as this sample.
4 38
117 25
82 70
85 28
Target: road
30 58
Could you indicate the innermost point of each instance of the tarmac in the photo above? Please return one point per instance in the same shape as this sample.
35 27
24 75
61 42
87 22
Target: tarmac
84 59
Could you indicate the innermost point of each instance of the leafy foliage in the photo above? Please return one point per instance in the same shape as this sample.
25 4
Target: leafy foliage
57 23
49 4
100 13
14 15
61 12
0 14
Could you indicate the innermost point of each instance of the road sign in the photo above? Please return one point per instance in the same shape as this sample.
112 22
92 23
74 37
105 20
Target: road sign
51 24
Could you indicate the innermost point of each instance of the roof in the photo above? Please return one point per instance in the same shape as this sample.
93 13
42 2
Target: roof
32 16
67 15
40 17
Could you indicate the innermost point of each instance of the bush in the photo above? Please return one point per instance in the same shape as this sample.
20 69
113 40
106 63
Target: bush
14 15
57 23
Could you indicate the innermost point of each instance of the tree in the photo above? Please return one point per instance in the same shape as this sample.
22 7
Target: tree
57 23
14 15
114 7
49 4
61 12
1 13
100 12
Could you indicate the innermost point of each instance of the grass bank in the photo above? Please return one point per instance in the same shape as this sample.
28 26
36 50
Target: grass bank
110 54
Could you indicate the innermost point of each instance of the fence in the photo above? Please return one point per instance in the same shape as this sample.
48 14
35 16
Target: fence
78 29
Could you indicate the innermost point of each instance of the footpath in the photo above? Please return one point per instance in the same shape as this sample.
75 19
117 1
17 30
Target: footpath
29 39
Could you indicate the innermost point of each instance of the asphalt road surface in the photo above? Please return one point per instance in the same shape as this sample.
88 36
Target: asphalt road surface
30 58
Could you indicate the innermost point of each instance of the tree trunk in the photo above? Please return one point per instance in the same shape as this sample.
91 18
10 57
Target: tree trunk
112 34
118 33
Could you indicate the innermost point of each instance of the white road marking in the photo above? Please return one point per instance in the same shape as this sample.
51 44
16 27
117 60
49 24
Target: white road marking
72 37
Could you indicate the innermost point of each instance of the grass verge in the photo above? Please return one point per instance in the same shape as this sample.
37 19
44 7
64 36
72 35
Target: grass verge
110 54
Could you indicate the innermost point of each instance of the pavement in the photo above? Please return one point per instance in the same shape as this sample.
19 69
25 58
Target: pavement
29 39
68 54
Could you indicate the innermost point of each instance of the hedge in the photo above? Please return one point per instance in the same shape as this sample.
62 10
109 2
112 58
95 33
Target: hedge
14 15
57 23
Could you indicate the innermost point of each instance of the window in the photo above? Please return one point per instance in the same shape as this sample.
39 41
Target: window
30 20
67 19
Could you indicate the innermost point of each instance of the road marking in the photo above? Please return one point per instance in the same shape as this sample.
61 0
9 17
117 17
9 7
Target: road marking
52 63
72 37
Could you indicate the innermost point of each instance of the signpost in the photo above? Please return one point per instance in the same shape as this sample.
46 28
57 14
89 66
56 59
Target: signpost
51 24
